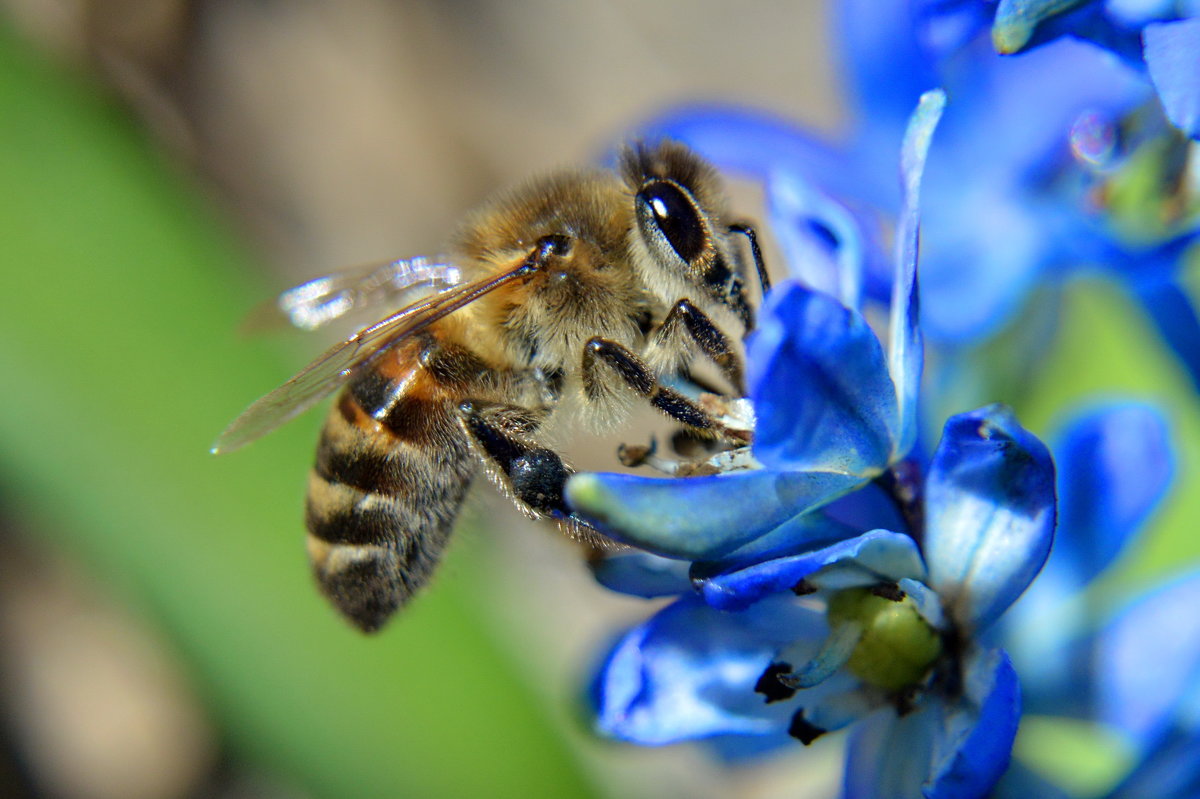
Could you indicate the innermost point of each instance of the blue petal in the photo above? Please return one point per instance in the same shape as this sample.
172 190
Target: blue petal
1136 13
1149 661
1022 24
989 510
820 386
975 737
888 756
872 558
926 600
866 508
907 353
756 144
642 574
699 518
1171 309
944 750
821 240
983 248
945 26
1114 465
803 533
1170 770
746 750
986 239
1172 52
887 67
1016 21
1008 115
835 703
689 672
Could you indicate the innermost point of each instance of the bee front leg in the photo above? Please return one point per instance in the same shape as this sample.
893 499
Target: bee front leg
603 358
686 322
744 229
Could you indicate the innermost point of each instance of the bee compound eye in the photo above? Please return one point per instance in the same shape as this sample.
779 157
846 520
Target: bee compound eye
674 214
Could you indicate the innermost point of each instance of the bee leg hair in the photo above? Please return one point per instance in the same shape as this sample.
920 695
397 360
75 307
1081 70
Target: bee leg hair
616 358
533 475
685 319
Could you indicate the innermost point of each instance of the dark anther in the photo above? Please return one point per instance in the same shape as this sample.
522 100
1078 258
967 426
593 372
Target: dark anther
804 588
902 484
770 685
675 216
906 702
827 236
634 455
802 730
888 591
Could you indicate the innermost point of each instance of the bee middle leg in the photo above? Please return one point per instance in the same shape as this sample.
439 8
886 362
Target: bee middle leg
602 355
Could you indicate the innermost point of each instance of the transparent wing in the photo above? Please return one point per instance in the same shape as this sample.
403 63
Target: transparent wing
370 286
321 377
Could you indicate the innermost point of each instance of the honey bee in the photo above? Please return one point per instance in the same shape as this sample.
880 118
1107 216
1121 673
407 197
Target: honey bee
596 285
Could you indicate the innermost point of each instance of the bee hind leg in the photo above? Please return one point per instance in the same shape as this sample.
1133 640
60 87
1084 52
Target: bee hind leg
533 475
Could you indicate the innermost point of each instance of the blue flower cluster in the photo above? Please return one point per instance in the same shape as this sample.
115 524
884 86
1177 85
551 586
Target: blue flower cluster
1048 165
846 574
792 622
1160 36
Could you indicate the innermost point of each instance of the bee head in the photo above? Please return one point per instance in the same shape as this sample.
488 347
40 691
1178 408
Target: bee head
680 232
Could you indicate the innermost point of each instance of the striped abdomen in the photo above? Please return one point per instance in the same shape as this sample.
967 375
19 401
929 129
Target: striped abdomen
391 472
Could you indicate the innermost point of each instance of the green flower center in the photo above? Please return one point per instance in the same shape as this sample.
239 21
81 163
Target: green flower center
897 646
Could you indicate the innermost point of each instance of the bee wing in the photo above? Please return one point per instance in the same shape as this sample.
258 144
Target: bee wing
341 362
324 299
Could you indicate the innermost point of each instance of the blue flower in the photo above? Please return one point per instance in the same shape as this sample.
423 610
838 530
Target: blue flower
1161 35
1115 463
1138 678
1134 672
873 629
834 411
1045 165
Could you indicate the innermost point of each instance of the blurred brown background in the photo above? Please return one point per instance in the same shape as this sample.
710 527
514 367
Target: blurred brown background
341 132
333 133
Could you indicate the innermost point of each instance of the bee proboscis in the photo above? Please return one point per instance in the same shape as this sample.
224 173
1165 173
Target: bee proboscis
592 285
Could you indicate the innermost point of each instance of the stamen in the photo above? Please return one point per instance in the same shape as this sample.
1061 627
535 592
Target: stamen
889 591
804 588
838 647
802 730
770 685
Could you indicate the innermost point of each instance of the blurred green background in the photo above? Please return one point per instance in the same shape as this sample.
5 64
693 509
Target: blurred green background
165 166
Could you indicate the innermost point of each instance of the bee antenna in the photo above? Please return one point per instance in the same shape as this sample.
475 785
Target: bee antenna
547 247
